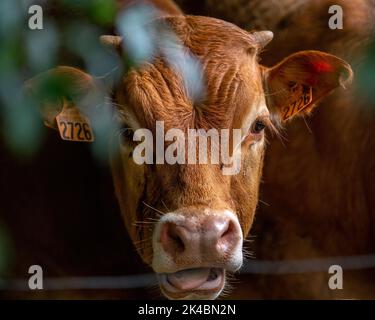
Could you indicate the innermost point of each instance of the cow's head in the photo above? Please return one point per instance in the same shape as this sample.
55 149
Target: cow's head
188 221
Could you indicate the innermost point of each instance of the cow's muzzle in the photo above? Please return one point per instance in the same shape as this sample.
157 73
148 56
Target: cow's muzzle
193 250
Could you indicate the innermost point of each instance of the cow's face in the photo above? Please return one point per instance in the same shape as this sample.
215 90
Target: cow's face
188 221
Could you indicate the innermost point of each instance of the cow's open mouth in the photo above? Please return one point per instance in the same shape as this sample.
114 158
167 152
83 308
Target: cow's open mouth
205 283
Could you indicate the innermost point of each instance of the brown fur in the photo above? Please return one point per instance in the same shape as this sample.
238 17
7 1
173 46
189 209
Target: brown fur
319 181
234 82
157 94
337 216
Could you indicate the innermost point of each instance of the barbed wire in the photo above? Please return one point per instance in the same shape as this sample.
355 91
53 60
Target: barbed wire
150 279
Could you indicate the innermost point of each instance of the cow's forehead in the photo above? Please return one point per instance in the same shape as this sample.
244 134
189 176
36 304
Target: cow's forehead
156 91
203 35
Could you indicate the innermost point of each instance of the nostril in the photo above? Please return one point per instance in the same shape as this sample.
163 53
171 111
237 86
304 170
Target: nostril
175 235
227 239
171 238
226 230
218 227
230 229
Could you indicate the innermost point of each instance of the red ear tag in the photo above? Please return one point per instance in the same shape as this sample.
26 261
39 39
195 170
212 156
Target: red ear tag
322 67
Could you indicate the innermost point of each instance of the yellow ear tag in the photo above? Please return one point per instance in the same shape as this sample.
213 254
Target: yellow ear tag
300 98
73 126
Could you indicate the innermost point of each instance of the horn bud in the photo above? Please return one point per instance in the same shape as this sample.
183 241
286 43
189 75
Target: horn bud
262 38
111 41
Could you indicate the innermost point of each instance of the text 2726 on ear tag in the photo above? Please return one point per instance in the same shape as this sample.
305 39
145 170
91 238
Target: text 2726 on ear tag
73 126
300 98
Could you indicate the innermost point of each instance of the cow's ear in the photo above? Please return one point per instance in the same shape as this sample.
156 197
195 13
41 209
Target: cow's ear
297 83
62 86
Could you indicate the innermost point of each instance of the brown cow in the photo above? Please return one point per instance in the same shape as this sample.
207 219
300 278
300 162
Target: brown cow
199 215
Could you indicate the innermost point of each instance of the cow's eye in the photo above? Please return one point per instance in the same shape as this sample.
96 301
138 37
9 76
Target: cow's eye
258 126
126 135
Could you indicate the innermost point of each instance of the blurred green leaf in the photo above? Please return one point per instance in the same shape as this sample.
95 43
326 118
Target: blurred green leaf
366 74
103 11
21 127
42 48
12 54
26 53
83 40
11 17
